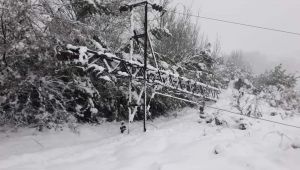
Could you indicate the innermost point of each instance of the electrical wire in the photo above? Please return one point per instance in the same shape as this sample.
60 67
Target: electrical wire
228 111
237 23
242 24
252 117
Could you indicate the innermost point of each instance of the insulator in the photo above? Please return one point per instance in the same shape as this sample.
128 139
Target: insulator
124 8
160 8
157 7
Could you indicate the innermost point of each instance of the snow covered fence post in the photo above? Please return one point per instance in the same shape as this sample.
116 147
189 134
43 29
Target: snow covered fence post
201 108
123 127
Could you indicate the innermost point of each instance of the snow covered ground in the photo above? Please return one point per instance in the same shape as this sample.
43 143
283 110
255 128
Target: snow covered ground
170 143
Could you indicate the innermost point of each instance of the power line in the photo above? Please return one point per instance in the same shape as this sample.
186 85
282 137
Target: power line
236 113
252 117
237 23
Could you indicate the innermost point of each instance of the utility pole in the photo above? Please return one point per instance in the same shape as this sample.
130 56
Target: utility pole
145 35
145 63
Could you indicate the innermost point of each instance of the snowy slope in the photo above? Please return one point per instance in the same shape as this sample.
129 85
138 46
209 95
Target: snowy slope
170 144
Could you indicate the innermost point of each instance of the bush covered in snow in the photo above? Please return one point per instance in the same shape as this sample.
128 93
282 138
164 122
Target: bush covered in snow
36 89
232 67
274 88
239 101
277 88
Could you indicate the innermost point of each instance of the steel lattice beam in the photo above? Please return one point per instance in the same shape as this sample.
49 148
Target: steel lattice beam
111 64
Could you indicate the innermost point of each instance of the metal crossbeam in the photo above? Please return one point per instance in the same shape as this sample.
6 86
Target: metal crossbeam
111 64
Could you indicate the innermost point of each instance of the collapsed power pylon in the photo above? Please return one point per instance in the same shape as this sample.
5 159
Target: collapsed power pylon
139 73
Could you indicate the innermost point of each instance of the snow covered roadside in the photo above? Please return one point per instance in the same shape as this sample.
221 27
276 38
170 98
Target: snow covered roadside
170 144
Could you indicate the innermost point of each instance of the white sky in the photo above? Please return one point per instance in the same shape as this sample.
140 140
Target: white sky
264 48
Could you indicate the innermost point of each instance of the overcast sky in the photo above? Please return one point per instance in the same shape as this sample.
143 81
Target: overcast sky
263 48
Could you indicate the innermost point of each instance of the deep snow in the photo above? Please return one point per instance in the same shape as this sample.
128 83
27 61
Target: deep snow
169 144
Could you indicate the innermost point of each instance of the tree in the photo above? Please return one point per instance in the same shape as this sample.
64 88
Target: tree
38 90
232 67
277 87
277 77
185 42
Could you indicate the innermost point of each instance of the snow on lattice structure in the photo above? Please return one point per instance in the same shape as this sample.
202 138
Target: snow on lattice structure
103 65
97 45
154 75
105 78
91 2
